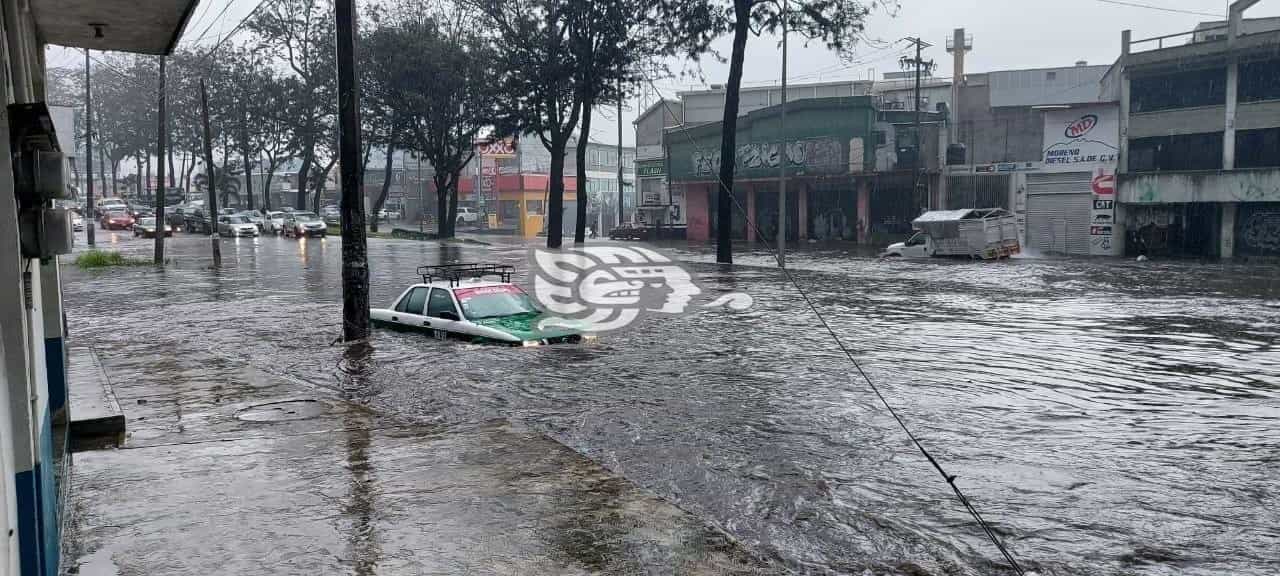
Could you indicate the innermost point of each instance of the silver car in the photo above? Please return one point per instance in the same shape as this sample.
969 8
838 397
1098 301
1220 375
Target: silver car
300 224
274 222
236 226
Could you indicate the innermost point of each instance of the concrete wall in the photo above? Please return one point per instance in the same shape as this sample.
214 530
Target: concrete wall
998 134
1197 120
29 329
1254 115
1260 185
649 127
1045 86
708 105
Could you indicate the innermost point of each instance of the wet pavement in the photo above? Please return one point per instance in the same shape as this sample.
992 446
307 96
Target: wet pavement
1109 417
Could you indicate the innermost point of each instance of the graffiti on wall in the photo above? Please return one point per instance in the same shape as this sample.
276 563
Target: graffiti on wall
821 155
1260 232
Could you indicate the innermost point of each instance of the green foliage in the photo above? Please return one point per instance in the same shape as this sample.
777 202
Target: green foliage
107 259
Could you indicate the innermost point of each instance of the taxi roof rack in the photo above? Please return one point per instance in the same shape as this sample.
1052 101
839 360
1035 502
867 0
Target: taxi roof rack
455 273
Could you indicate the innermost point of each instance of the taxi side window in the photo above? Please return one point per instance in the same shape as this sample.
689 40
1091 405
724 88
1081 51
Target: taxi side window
440 302
413 301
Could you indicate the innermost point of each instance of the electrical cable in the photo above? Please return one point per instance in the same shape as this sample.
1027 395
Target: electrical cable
1160 8
950 478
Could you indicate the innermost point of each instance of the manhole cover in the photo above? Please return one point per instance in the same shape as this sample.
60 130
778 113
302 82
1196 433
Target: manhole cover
282 411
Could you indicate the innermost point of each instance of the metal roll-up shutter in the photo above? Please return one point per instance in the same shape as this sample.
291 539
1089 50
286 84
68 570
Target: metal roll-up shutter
1058 207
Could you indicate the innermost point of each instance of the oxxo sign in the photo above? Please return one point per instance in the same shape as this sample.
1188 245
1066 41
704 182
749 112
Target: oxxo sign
496 149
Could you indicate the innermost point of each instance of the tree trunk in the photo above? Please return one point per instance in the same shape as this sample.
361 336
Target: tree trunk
304 170
729 133
555 202
102 165
248 176
580 227
386 184
115 167
451 214
266 182
443 227
319 189
137 185
168 144
182 167
146 183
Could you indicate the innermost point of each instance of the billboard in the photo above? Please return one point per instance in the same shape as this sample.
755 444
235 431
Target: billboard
1087 139
1081 139
505 148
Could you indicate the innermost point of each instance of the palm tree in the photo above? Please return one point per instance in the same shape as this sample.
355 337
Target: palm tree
227 185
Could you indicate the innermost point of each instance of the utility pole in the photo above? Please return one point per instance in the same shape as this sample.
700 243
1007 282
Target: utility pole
621 199
161 190
355 256
88 151
917 166
782 152
212 212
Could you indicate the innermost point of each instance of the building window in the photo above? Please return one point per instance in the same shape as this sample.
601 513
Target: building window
1185 89
1051 76
1260 81
1183 152
1258 148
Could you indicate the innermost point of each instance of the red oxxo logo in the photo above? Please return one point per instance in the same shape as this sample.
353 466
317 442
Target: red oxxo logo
1082 126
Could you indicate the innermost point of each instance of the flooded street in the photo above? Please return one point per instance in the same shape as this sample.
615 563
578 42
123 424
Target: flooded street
1108 417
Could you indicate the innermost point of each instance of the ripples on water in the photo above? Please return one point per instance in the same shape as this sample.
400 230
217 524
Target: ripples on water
1108 417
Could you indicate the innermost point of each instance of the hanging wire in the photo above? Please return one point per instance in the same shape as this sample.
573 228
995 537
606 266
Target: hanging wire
949 478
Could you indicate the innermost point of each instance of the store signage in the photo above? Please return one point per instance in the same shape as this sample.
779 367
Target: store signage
651 169
1104 184
1081 139
497 149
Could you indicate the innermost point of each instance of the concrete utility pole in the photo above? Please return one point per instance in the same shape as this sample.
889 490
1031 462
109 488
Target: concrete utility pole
620 181
355 254
212 212
88 151
917 166
782 151
161 190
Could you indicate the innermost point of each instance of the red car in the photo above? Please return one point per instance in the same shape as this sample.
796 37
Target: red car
116 220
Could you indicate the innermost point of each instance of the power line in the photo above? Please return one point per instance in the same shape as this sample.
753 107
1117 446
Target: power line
242 22
949 478
1160 8
216 20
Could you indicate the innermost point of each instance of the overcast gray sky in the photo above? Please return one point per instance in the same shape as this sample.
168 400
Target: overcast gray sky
1007 35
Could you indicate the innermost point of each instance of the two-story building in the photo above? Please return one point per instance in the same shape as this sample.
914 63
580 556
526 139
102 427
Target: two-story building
1199 151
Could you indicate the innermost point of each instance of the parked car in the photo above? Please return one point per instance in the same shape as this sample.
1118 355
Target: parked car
227 211
254 217
236 226
195 221
467 215
274 222
300 224
146 228
393 214
118 219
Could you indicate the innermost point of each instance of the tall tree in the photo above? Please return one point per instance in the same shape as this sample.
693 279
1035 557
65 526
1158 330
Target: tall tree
438 75
302 33
538 93
610 39
693 24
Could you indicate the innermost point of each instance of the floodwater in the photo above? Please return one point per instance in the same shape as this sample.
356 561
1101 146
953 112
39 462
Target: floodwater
1106 416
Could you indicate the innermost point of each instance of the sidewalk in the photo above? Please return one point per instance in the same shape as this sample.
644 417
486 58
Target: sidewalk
231 471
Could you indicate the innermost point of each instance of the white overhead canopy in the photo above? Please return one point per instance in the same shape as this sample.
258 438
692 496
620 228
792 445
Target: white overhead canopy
140 26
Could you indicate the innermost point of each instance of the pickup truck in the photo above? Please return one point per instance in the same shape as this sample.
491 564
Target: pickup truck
983 233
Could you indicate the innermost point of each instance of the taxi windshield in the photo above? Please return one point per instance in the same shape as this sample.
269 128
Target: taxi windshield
494 302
